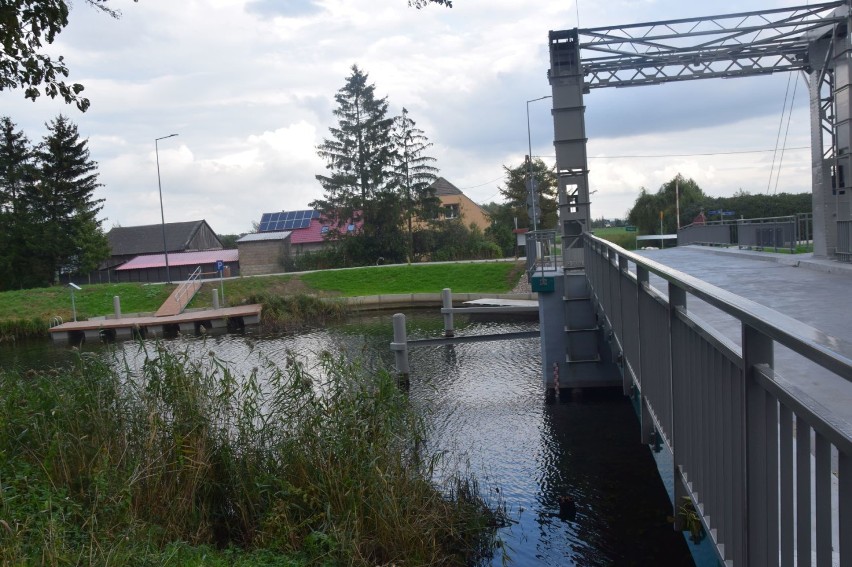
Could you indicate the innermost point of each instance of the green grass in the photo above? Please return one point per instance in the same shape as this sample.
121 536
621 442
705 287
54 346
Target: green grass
178 461
617 235
28 313
491 277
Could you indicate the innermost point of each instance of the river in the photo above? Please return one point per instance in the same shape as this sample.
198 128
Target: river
485 408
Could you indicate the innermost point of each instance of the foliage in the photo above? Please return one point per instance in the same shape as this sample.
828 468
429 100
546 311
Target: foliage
413 174
423 3
27 25
645 213
516 194
451 240
294 312
500 231
229 241
173 453
47 207
617 235
378 178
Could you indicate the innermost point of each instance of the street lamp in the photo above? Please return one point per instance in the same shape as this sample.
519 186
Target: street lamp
529 163
162 214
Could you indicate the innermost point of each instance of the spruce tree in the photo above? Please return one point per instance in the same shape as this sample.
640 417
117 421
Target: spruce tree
16 179
358 186
413 173
66 236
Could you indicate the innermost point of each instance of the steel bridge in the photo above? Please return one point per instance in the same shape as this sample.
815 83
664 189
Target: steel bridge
756 415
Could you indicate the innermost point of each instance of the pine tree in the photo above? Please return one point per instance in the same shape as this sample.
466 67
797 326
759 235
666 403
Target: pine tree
16 176
66 235
413 173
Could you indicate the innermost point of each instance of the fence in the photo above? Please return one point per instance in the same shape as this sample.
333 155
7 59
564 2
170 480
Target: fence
751 451
844 240
542 252
775 233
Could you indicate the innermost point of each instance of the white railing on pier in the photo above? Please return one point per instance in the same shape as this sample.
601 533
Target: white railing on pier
187 289
752 451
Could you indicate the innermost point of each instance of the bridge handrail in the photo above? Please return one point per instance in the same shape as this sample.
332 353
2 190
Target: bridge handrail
767 467
812 343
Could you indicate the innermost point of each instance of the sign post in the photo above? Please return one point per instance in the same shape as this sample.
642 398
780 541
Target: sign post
220 267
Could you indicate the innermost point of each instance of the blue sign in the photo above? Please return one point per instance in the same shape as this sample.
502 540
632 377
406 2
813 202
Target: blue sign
728 213
220 265
714 212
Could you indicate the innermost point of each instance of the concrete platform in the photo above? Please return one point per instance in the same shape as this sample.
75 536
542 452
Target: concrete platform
816 291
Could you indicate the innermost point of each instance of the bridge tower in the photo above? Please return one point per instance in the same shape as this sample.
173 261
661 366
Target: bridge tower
813 40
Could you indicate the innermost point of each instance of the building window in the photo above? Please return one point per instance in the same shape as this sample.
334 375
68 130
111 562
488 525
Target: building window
451 211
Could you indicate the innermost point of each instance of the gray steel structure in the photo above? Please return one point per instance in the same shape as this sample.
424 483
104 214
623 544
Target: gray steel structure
751 450
812 39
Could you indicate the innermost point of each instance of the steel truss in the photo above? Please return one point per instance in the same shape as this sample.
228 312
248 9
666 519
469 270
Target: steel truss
730 45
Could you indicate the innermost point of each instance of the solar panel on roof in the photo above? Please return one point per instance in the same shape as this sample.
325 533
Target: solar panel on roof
287 220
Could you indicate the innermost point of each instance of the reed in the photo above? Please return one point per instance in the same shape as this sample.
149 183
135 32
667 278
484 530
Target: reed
178 459
21 328
293 312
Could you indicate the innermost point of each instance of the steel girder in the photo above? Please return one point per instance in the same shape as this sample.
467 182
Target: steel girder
729 45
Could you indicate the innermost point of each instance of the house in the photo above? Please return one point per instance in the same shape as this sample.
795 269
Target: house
456 204
151 268
129 242
299 232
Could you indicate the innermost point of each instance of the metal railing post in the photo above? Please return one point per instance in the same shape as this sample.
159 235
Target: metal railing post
677 299
761 454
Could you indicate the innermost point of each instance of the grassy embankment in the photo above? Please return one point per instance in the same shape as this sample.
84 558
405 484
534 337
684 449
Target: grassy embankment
617 235
286 298
180 462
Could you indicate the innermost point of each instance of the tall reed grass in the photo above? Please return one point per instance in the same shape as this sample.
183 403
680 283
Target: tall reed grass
17 329
180 460
292 312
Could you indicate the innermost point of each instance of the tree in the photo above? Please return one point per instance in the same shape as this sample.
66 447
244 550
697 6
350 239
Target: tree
515 192
423 3
359 153
645 213
413 173
25 26
16 177
64 232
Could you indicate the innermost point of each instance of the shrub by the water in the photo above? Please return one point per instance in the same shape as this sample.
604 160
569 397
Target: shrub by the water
292 312
180 460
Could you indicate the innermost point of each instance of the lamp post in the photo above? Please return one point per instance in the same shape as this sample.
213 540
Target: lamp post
73 286
162 214
529 163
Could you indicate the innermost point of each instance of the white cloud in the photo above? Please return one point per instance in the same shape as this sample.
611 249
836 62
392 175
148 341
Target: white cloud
249 87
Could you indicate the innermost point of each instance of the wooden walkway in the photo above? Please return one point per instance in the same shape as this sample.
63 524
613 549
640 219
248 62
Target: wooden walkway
188 322
179 299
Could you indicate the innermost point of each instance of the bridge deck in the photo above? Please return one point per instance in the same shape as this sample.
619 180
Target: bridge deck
816 292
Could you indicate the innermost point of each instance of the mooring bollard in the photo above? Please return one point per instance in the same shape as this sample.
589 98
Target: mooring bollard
116 306
447 304
215 298
399 346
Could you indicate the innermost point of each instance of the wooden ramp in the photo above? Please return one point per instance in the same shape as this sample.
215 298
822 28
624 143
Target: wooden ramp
179 299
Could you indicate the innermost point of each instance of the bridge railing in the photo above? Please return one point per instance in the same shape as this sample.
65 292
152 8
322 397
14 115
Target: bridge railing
751 450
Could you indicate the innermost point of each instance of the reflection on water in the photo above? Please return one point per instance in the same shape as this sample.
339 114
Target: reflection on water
485 406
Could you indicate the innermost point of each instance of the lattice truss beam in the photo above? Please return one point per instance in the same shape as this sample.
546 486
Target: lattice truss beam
730 45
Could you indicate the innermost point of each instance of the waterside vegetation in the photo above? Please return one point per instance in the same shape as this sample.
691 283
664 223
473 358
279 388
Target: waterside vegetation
28 313
175 460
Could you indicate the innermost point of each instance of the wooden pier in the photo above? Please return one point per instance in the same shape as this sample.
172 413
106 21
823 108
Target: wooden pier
153 326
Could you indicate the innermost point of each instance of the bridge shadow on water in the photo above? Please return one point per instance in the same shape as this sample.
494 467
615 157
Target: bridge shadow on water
621 512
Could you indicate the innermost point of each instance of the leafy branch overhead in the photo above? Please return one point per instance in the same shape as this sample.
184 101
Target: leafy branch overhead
26 27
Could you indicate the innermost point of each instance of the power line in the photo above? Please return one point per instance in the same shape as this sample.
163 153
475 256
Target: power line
685 155
482 184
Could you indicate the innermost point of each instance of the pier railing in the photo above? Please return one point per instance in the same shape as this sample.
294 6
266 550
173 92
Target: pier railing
752 451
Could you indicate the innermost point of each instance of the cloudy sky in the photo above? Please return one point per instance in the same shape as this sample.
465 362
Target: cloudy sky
249 85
